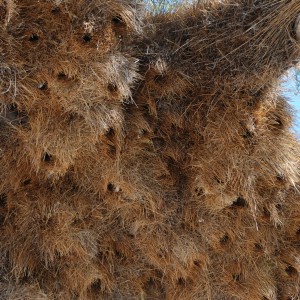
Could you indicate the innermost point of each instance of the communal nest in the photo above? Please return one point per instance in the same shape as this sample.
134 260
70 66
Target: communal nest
148 157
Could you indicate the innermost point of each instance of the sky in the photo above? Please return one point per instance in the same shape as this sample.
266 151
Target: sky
291 91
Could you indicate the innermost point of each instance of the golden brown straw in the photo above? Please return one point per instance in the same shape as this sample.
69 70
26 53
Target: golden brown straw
148 157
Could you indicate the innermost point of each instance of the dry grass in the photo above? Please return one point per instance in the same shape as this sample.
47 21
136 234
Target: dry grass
148 157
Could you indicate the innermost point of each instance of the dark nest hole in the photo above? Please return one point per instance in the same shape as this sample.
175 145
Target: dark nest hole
153 287
26 182
278 123
3 204
150 283
111 187
258 247
143 131
47 223
34 38
197 263
119 255
112 151
43 86
56 10
78 222
87 38
118 21
257 94
160 79
251 103
112 88
16 117
266 213
291 271
3 200
247 135
158 142
2 218
96 286
25 279
199 192
110 133
224 241
280 177
47 157
237 277
13 107
161 253
181 281
239 202
71 117
62 76
293 29
131 235
219 181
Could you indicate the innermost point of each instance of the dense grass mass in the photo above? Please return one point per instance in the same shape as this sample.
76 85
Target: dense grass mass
148 156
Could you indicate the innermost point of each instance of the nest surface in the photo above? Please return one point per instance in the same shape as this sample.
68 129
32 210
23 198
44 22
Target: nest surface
148 157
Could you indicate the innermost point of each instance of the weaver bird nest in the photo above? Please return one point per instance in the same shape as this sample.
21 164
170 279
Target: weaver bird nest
148 157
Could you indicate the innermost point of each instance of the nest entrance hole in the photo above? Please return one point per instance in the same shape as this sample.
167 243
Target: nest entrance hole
26 182
181 281
14 116
237 277
43 86
118 21
112 87
34 38
247 135
3 204
47 157
199 192
266 213
197 263
280 177
62 76
291 271
258 247
56 10
3 200
113 188
2 218
224 241
87 38
96 286
239 202
110 133
110 187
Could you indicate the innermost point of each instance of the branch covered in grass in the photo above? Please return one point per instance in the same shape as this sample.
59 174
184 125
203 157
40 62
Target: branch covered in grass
245 42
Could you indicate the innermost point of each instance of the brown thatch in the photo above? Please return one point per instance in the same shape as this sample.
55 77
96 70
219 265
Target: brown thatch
148 157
